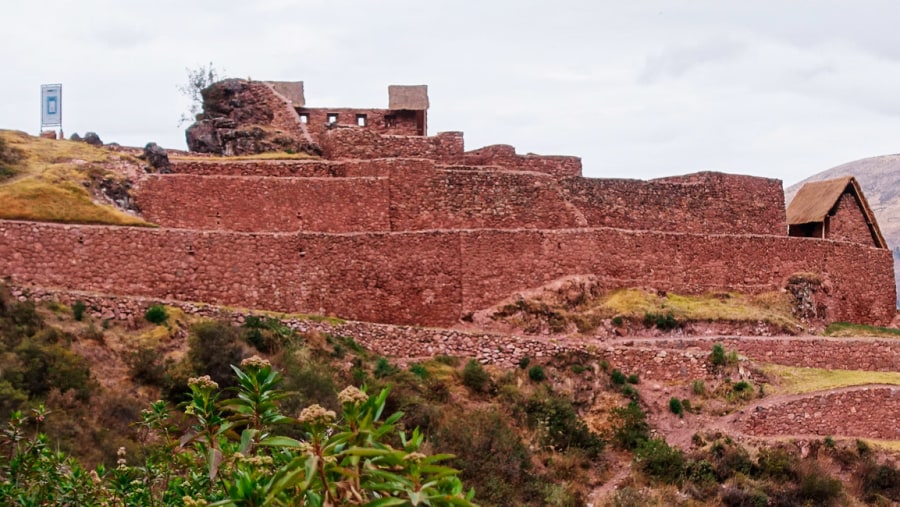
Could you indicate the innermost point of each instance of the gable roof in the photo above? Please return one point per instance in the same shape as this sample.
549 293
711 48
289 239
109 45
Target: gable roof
411 97
816 199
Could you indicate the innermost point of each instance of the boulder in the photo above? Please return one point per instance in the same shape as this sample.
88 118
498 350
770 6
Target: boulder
157 157
243 118
93 139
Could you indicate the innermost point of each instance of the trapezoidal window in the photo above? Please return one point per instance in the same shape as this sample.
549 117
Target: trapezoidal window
304 118
361 120
332 118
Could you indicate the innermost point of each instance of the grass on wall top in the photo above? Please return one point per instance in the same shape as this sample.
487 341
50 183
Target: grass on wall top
46 180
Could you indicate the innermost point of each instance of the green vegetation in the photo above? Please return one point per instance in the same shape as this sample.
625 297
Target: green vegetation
156 314
476 378
52 179
850 329
663 311
537 374
792 380
234 454
676 407
78 310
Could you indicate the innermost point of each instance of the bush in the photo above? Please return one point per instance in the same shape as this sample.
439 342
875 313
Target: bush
562 427
524 362
476 378
145 367
676 407
42 366
618 378
447 360
156 314
879 481
384 368
698 387
490 455
656 459
717 356
78 309
419 370
817 488
213 346
777 464
663 322
634 379
537 374
629 426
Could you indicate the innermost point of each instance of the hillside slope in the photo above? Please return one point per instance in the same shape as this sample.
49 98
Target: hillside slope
880 180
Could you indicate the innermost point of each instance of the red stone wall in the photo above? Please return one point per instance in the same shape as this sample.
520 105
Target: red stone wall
359 143
402 124
272 168
869 412
504 156
252 204
450 199
429 278
848 222
703 203
499 263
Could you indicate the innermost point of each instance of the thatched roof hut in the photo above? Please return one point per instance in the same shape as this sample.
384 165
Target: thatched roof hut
834 209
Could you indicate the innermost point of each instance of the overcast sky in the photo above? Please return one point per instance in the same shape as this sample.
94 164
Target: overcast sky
638 89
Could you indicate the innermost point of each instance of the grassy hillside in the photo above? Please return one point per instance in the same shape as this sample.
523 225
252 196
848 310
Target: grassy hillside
60 181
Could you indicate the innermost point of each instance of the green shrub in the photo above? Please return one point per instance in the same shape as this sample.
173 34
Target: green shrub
42 366
777 464
145 367
618 321
629 426
656 459
879 481
476 378
537 374
78 309
634 379
676 407
618 378
524 362
817 488
578 369
156 314
213 346
561 425
717 356
630 392
419 370
490 455
384 368
663 322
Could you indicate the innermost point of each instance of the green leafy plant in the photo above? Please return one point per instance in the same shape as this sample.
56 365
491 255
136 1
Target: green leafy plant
156 314
618 378
476 378
537 374
676 407
78 309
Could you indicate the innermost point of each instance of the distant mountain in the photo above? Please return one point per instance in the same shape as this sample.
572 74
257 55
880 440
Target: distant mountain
880 181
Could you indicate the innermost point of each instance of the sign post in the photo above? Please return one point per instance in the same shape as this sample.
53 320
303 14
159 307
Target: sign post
51 106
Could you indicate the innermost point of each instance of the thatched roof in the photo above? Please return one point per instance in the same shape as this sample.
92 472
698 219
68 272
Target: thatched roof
815 200
414 97
291 90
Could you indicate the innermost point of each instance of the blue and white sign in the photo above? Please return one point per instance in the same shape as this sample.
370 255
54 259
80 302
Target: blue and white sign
51 105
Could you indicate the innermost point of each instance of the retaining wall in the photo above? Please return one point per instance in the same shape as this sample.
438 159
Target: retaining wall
432 277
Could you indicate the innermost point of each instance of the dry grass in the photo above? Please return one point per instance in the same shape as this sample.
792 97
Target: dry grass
768 307
791 380
50 182
846 329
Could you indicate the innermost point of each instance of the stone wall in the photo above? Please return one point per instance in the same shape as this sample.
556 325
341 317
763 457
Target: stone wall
359 143
396 123
498 263
704 203
867 412
505 156
428 278
848 222
252 204
423 195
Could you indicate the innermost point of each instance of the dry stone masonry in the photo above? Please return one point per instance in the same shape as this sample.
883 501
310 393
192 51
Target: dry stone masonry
392 225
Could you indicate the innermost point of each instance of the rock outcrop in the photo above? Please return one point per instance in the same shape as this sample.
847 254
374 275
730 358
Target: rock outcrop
243 118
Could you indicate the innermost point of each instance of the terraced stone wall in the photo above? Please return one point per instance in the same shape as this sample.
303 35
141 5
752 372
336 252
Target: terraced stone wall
428 278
